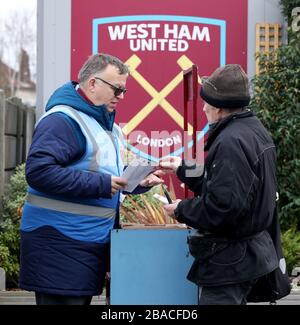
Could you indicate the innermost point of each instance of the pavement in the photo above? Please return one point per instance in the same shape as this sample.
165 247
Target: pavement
20 297
292 299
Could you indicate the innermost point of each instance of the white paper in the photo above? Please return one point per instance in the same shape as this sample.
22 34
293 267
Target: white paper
135 172
162 199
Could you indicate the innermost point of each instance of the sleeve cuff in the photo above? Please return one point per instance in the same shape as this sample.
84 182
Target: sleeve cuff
105 186
180 172
139 190
189 170
177 213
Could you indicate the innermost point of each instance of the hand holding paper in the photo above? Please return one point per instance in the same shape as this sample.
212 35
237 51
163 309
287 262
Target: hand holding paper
117 184
152 179
136 171
170 164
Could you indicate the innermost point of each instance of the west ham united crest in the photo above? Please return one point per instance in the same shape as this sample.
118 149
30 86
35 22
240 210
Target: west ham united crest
158 44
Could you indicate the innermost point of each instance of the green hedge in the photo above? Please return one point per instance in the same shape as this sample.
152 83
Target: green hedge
287 6
14 198
291 248
277 103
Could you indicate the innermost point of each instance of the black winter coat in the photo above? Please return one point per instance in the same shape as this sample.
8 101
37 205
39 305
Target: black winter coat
234 203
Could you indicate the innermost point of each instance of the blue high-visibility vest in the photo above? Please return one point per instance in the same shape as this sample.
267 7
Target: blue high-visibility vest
82 219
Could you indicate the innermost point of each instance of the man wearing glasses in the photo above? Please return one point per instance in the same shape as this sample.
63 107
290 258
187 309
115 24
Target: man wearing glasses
73 170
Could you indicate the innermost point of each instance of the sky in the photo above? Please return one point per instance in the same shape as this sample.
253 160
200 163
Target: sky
7 9
7 6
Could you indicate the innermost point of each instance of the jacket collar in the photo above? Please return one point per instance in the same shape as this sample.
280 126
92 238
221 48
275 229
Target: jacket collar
68 95
221 125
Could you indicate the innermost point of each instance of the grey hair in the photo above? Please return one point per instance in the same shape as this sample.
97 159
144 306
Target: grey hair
97 63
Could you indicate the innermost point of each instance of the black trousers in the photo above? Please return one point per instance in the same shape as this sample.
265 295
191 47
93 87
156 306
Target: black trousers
230 294
47 299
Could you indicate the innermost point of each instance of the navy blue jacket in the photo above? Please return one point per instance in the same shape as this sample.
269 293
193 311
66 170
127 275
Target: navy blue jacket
50 261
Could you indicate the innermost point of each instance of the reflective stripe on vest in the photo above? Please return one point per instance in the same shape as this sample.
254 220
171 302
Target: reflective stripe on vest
70 207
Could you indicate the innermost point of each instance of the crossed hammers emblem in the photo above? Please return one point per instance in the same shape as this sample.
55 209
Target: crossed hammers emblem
158 98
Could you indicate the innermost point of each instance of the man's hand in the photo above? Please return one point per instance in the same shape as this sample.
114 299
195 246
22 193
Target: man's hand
169 208
170 164
152 179
117 184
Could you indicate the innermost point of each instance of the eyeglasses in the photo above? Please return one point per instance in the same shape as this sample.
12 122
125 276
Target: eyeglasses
117 90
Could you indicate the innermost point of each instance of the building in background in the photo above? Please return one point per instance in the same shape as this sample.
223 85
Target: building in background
27 88
16 83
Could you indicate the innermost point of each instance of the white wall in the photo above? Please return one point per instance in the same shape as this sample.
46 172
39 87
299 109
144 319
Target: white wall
260 11
53 48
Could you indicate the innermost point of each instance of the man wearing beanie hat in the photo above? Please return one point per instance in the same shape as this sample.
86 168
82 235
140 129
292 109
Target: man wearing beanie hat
227 87
234 204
